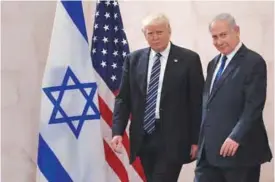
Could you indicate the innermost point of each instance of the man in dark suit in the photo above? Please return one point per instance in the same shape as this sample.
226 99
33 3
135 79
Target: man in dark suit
233 142
162 90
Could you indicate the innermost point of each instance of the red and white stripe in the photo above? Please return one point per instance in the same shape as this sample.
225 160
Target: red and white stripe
119 168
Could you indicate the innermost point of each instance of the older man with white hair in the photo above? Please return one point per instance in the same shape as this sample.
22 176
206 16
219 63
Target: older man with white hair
233 141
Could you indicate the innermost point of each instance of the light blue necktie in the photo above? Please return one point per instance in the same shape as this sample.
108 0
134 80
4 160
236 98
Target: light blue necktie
151 98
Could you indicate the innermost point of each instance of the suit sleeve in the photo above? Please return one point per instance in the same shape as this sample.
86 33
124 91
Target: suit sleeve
196 84
122 102
255 95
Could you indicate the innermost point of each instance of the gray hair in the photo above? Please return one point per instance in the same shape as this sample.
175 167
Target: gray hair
155 19
224 17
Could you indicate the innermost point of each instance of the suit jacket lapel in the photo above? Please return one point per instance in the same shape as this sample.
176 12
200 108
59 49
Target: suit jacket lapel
142 70
229 69
168 71
210 75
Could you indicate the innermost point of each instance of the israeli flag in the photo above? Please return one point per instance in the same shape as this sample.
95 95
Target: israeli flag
70 141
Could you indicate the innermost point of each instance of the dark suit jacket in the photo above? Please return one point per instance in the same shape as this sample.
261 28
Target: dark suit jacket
180 104
234 109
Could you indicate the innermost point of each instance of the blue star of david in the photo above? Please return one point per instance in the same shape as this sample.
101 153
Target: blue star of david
57 107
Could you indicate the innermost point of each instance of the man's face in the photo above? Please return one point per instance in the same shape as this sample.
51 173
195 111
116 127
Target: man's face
157 36
225 38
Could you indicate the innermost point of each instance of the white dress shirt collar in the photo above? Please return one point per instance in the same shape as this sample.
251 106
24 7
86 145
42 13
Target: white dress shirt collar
232 54
164 53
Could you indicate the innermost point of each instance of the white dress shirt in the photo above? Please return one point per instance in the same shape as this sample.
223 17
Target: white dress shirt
229 58
163 62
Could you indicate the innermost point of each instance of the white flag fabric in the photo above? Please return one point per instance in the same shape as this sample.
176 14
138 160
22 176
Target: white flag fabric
70 139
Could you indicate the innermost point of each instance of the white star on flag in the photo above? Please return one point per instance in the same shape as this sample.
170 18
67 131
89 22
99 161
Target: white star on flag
106 27
107 15
107 2
103 64
114 65
105 39
104 51
113 78
94 38
124 42
115 53
94 50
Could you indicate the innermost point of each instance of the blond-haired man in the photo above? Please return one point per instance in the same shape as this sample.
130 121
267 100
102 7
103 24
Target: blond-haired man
162 90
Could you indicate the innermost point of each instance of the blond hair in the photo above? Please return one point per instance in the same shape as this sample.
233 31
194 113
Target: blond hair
154 19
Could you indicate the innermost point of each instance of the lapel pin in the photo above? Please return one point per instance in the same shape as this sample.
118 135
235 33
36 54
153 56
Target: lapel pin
175 60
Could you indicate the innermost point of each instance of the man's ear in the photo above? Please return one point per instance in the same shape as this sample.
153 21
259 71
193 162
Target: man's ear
169 29
144 32
237 29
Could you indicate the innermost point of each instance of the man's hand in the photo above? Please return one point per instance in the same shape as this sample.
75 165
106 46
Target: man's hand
229 148
193 152
116 144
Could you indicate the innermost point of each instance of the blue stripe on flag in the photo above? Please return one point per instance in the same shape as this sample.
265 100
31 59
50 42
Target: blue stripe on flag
75 10
49 165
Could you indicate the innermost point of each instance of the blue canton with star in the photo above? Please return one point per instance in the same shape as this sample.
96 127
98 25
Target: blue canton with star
65 86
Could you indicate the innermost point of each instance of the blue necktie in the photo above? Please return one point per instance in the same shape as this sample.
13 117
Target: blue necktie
219 73
151 98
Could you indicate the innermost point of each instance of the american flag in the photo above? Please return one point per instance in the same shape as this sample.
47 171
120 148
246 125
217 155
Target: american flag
109 47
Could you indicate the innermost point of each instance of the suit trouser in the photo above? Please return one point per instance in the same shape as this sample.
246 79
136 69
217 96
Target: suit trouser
153 160
206 172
